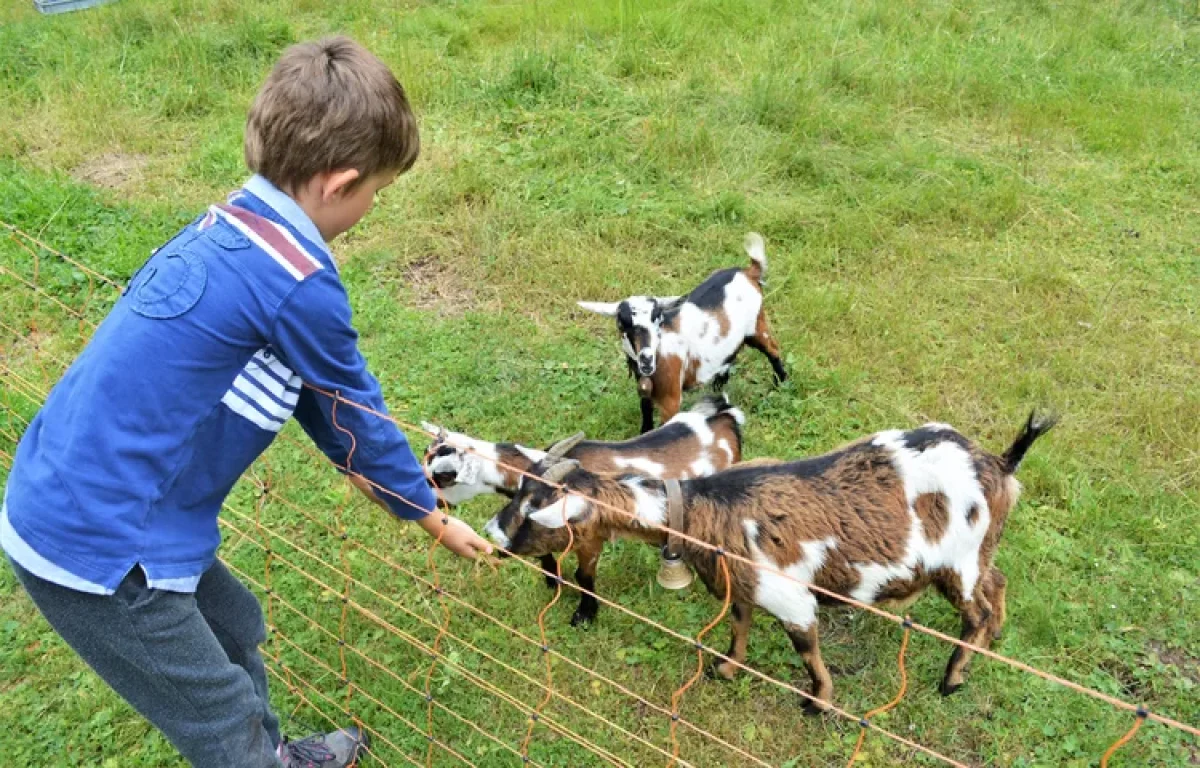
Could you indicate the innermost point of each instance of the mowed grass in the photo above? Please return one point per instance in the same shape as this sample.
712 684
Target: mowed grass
971 208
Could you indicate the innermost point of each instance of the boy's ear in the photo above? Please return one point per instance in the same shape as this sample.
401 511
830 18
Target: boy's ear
334 183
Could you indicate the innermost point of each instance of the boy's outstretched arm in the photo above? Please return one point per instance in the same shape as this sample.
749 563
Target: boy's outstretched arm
459 537
313 335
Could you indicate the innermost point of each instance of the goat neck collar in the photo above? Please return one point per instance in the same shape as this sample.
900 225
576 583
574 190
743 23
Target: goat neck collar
674 517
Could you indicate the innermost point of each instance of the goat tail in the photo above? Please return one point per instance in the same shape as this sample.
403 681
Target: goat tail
757 251
1034 428
713 405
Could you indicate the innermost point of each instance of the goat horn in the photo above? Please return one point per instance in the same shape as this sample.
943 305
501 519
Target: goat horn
560 449
556 473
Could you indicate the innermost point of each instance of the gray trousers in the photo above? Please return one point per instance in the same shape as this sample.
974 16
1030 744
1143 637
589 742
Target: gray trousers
189 663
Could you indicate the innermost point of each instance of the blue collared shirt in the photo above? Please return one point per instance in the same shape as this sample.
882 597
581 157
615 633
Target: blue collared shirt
189 378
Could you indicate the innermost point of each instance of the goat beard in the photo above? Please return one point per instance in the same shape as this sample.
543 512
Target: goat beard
645 386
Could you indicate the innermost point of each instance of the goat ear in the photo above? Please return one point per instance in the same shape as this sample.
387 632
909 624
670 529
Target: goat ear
666 302
569 509
432 429
600 307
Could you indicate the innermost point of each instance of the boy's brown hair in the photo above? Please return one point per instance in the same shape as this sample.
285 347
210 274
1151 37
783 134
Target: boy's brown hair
329 105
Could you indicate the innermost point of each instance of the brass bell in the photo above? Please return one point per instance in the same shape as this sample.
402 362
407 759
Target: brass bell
673 573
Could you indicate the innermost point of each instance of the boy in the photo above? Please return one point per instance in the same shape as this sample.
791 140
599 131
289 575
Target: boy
110 513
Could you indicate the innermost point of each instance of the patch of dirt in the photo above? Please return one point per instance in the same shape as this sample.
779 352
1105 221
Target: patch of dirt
1125 677
1186 664
438 288
22 349
111 170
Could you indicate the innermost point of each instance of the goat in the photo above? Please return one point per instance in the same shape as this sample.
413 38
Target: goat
878 520
677 343
695 443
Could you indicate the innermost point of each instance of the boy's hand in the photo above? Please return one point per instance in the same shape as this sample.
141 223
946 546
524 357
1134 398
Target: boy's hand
459 537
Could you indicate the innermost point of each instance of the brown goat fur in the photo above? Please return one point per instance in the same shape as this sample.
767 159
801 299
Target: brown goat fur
878 520
702 444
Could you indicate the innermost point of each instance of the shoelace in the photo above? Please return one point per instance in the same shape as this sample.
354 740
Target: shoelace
308 753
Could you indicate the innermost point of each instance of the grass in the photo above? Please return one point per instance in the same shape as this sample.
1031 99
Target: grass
971 208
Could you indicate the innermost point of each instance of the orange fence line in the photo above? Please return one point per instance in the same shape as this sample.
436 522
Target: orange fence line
377 665
862 734
517 633
287 681
423 620
82 267
351 684
1139 718
411 640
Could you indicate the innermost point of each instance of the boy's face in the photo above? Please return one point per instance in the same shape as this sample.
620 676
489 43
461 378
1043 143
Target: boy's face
344 208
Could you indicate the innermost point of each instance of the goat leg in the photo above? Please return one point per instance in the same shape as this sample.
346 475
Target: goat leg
764 342
585 577
806 644
740 618
549 570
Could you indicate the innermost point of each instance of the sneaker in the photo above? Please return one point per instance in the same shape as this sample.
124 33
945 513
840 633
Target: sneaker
339 749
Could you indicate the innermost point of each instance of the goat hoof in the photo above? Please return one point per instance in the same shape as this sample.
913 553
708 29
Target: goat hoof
721 670
813 709
946 688
581 619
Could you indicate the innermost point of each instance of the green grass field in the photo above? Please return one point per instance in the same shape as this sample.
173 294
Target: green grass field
970 207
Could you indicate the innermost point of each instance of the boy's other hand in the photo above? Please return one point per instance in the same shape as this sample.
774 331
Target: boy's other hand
459 537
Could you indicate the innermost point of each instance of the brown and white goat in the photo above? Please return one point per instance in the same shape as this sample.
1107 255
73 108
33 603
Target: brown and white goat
677 343
695 443
878 520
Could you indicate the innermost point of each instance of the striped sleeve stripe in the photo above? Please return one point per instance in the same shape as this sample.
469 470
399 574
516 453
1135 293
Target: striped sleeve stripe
272 238
261 400
242 408
277 370
279 395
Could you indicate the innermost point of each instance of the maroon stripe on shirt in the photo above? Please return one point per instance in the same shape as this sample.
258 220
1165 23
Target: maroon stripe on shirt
270 234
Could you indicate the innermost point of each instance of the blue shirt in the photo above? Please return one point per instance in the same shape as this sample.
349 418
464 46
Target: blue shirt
188 379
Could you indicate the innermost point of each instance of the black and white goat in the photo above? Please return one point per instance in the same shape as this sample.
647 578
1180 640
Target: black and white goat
878 520
677 343
695 443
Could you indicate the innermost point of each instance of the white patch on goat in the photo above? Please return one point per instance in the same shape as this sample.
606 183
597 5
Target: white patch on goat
494 532
642 309
651 509
723 444
788 599
944 468
702 467
640 464
700 339
698 423
552 516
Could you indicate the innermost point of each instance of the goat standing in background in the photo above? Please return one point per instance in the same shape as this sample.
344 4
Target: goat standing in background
673 344
878 520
